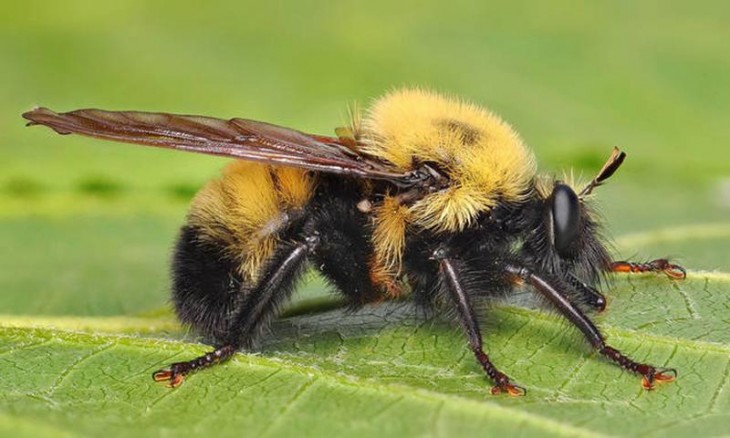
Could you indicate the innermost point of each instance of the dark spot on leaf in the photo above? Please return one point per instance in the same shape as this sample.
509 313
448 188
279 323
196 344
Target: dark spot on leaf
181 191
99 186
23 187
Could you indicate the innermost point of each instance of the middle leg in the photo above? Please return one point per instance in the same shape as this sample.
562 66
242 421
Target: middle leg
451 277
589 294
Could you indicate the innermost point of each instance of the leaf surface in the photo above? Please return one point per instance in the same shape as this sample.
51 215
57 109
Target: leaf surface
383 369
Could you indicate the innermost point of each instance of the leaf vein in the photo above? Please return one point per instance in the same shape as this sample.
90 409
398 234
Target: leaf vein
289 405
64 375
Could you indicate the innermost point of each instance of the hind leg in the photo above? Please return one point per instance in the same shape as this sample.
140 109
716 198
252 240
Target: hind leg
275 286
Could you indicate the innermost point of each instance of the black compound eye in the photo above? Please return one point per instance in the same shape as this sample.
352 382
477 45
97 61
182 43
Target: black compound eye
566 218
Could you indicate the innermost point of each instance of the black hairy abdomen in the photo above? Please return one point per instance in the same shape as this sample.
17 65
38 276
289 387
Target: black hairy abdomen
212 297
206 285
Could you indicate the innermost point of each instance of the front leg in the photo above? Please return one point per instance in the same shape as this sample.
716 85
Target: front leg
558 299
675 272
596 299
454 288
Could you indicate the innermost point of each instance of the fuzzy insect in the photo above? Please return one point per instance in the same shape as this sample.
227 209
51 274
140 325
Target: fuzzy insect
425 195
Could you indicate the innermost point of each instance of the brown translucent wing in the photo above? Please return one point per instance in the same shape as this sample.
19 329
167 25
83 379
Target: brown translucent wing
237 138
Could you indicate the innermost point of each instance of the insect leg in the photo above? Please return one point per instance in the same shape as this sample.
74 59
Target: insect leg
176 373
593 335
592 297
675 272
275 286
449 274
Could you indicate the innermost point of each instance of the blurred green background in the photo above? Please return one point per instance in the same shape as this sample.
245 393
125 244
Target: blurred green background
87 226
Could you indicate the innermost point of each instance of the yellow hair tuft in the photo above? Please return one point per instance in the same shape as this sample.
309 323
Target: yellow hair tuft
481 153
389 234
245 209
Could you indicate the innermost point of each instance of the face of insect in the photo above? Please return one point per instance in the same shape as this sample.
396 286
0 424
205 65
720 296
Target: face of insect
566 239
560 236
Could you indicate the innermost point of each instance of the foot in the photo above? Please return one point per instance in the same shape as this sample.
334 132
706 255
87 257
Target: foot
175 375
675 272
508 388
502 383
173 379
658 375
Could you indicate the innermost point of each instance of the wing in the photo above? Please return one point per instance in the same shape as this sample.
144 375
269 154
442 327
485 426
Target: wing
237 138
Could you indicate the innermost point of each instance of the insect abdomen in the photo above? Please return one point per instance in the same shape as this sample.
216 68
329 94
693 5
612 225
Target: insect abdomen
206 284
233 229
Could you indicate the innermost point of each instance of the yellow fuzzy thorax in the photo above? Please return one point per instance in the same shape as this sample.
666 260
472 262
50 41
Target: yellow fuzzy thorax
246 208
483 156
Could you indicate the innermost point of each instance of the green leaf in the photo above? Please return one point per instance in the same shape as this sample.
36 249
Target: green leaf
382 369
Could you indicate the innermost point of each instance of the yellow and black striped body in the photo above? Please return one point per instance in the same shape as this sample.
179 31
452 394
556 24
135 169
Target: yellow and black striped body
232 229
239 223
424 191
247 209
243 227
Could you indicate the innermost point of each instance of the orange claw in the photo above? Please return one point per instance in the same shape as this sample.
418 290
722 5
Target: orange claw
675 272
660 375
175 379
647 384
161 375
509 388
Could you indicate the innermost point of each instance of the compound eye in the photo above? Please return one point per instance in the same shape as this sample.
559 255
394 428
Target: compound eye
566 218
